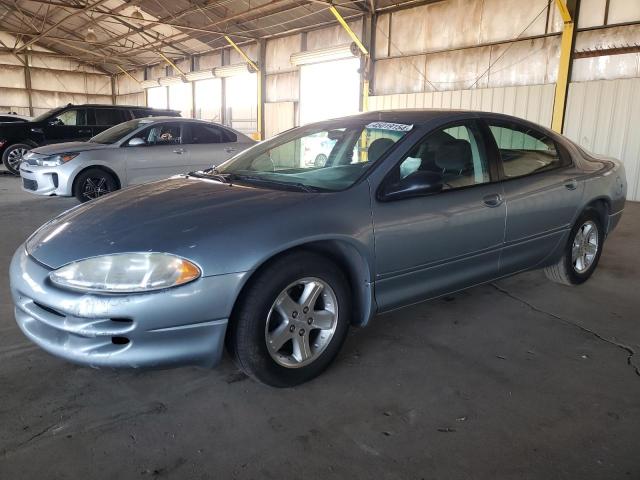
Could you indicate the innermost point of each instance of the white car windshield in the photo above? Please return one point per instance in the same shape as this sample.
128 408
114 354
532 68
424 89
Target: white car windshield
322 158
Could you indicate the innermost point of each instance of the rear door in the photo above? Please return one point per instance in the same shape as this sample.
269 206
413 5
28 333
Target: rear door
104 118
210 145
162 155
541 192
432 245
67 126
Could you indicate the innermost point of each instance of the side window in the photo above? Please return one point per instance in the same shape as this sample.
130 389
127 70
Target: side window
457 153
205 134
161 134
137 113
109 116
71 117
523 150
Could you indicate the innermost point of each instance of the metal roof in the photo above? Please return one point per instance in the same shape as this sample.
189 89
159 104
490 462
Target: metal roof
176 29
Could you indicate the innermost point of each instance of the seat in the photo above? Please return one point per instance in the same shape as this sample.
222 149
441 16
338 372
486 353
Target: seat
455 160
378 147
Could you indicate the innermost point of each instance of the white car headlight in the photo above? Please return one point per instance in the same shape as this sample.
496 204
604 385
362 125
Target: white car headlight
55 160
126 273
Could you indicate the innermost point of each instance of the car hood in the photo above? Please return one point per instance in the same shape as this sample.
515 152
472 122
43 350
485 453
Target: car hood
69 147
198 219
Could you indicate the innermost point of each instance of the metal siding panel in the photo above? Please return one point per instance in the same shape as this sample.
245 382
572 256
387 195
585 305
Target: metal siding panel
600 117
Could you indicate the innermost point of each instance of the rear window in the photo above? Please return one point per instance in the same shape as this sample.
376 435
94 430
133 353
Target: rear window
109 116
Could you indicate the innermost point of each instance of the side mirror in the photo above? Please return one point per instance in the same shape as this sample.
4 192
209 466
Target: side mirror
136 142
417 184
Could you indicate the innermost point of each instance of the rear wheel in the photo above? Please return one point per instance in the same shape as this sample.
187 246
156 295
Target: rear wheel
292 320
582 252
12 156
93 183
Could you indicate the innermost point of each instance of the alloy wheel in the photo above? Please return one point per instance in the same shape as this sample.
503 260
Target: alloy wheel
301 322
585 247
15 157
95 187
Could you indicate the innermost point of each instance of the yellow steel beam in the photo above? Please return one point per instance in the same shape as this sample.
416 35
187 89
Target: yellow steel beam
564 11
128 74
170 62
242 54
351 33
566 47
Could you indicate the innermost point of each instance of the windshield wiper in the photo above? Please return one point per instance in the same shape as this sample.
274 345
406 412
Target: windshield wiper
253 178
220 177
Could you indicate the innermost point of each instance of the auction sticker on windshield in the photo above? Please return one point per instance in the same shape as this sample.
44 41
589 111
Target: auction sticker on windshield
396 127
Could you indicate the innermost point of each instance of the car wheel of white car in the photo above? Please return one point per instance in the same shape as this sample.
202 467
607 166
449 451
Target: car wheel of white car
12 156
93 183
291 320
582 252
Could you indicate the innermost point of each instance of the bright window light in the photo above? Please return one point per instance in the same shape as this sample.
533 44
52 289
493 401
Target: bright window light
157 97
209 99
242 101
329 90
180 98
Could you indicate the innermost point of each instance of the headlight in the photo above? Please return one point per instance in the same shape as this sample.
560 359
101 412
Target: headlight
126 273
55 160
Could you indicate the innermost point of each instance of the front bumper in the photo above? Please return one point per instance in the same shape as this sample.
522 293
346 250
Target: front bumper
177 326
44 180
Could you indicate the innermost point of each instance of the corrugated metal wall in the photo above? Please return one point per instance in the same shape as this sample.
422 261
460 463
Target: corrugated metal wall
602 116
533 102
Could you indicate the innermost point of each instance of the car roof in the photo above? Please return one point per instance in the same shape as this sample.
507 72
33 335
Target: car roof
102 105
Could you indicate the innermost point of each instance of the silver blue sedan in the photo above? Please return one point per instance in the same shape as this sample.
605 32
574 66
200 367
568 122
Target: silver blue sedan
276 257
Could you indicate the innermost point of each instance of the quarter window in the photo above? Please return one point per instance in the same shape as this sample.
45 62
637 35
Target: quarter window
523 150
457 153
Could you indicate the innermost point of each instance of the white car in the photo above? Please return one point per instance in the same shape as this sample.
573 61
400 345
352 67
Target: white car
130 153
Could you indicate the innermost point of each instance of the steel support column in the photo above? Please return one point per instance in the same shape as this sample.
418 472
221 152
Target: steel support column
568 10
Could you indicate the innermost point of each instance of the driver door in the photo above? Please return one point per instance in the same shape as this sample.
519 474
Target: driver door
436 244
67 126
163 153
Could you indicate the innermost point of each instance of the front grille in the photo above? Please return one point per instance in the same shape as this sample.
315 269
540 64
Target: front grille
29 184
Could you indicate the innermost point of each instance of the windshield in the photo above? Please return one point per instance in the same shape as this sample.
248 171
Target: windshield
315 157
118 132
46 114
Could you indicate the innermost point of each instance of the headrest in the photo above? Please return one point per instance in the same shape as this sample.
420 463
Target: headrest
378 147
454 155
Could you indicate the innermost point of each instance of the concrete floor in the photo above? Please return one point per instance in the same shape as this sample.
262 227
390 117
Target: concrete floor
523 379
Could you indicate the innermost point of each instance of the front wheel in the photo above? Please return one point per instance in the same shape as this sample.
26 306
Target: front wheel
582 252
13 155
291 321
93 183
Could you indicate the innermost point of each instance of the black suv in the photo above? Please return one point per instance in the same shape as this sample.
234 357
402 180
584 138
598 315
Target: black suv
65 124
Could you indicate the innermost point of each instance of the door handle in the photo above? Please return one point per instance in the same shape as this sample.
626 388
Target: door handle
84 131
229 149
571 184
493 200
179 151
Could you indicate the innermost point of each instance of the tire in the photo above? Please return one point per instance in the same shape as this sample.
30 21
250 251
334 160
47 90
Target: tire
269 346
93 183
12 156
582 252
